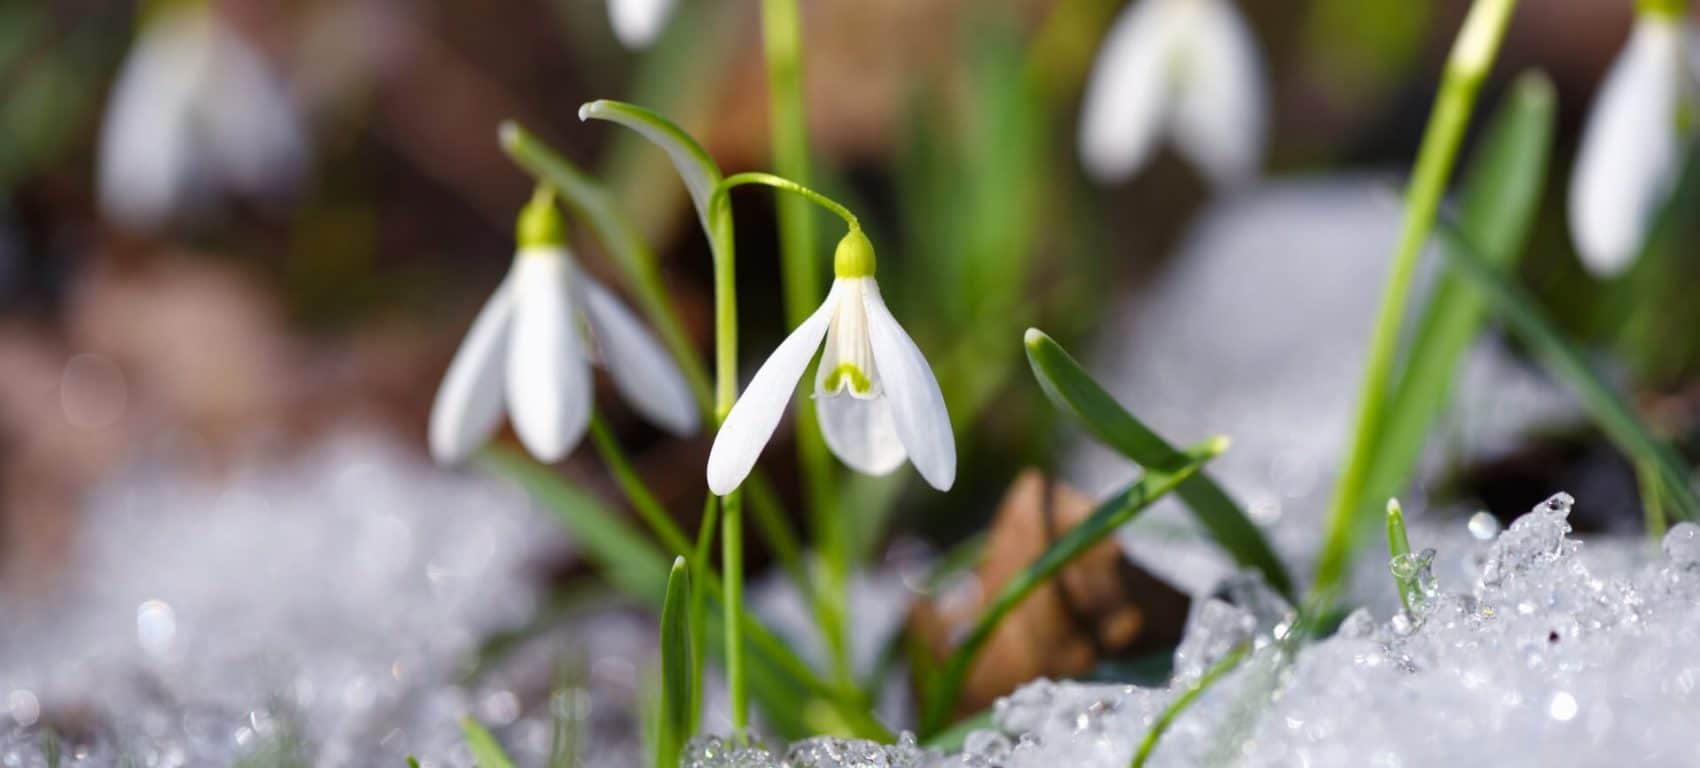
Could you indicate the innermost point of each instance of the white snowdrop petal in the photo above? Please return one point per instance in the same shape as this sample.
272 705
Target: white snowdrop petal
861 433
468 407
1629 149
1220 111
753 418
917 407
548 376
147 157
1127 92
638 22
253 132
642 370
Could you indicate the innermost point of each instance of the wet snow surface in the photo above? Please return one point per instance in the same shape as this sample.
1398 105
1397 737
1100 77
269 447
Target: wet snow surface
324 607
1545 658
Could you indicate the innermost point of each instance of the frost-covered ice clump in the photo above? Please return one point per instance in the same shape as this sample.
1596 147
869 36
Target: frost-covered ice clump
324 607
1540 662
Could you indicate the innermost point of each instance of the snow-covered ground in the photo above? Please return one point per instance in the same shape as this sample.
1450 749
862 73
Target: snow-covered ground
1544 657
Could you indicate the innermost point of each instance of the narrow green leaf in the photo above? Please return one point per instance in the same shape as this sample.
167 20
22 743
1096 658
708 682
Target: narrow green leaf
1497 207
1398 542
1216 672
1103 521
412 762
486 753
1398 549
1614 417
700 173
676 662
1652 505
1076 393
623 556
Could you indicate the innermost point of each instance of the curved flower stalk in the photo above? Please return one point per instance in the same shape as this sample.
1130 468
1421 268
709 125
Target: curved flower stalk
195 112
1632 142
530 350
638 22
876 397
1187 70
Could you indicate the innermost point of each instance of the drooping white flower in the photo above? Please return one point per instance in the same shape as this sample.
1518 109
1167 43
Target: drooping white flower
529 352
195 112
874 392
1185 70
638 22
1632 144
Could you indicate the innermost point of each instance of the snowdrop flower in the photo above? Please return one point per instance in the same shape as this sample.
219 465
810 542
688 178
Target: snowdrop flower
530 349
638 22
1632 142
877 399
195 111
1187 70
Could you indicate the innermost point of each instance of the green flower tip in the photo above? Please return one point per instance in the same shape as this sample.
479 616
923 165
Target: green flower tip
541 224
1218 445
855 256
1664 10
1034 337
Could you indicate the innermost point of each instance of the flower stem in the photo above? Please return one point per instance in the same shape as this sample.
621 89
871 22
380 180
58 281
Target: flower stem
731 505
800 273
647 506
732 567
787 185
1466 67
834 541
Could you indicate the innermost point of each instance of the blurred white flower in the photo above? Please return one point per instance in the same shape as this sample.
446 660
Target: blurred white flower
1632 144
1188 70
874 392
638 22
195 112
530 349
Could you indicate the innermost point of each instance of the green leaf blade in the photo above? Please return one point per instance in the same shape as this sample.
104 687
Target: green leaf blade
699 171
1497 208
1073 543
677 687
1614 416
1076 393
486 751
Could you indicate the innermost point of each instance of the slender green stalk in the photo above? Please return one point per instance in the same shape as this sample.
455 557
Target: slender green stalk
485 749
787 185
702 572
1073 543
732 567
1216 672
1614 416
648 507
731 505
1398 546
800 275
1652 505
675 725
1466 68
831 603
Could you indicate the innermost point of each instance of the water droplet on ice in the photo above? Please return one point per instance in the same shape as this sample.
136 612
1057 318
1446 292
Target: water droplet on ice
1484 526
26 709
156 627
1682 545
